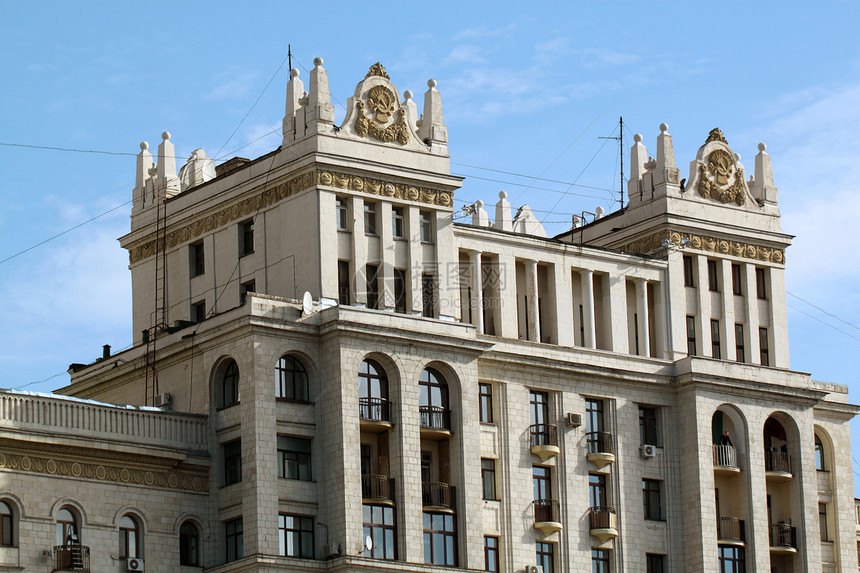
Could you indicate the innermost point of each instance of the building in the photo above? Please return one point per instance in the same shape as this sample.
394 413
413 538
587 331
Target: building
468 395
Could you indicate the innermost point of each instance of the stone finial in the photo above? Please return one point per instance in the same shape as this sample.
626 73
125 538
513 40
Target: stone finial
762 187
665 149
638 158
411 109
504 221
198 169
479 215
295 89
319 107
432 129
166 160
144 160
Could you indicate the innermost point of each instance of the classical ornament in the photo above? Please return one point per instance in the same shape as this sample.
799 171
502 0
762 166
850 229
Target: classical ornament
714 178
377 69
373 127
716 135
381 102
706 243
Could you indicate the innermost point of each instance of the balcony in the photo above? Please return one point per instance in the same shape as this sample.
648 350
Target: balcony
438 496
71 558
726 461
547 519
543 439
783 538
378 489
601 450
374 413
602 523
731 531
777 466
435 421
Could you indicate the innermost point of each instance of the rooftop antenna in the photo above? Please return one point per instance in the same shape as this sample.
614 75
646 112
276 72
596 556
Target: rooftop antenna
620 139
290 56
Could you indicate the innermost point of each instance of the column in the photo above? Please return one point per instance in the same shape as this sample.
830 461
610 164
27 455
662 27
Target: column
728 301
563 305
532 294
359 252
703 303
416 260
642 312
618 313
477 291
386 258
587 277
752 314
778 320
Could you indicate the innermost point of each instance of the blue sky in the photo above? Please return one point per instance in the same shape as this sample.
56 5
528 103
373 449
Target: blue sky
527 90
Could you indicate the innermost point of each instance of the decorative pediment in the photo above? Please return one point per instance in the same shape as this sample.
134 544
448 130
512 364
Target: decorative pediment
717 174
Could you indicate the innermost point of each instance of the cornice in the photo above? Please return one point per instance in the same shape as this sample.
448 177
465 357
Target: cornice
708 244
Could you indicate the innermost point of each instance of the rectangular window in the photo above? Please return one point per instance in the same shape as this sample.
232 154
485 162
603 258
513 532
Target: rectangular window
235 539
379 525
428 294
440 539
655 563
425 219
246 238
538 407
232 462
688 271
715 339
197 262
740 354
244 289
343 282
599 560
491 554
651 498
763 346
760 286
542 490
397 222
713 279
691 335
648 426
198 311
342 214
737 286
369 218
399 290
294 458
488 478
822 521
597 490
372 274
544 556
731 559
485 393
296 536
594 415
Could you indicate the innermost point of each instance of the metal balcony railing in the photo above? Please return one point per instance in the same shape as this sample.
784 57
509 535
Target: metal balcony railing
599 443
730 529
725 456
71 558
543 435
438 494
601 517
783 535
374 409
435 418
777 462
377 487
546 510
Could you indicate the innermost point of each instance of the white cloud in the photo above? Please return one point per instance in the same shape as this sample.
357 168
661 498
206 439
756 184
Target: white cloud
465 54
483 32
232 85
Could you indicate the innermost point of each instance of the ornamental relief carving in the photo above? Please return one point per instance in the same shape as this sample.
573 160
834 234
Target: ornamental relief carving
101 472
251 205
709 244
718 170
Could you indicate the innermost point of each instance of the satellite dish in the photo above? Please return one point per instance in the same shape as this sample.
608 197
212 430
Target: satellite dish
307 303
368 543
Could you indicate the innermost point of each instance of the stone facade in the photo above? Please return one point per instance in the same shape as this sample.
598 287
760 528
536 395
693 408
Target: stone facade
347 379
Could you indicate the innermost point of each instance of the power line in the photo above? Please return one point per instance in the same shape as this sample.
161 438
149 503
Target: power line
845 322
580 174
822 322
532 177
66 149
530 186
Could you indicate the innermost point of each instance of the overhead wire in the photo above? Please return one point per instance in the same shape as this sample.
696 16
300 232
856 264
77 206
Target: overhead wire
823 322
587 165
845 322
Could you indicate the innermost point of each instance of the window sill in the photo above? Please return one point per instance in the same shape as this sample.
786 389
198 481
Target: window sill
226 485
296 479
339 230
371 235
227 407
246 254
483 423
293 401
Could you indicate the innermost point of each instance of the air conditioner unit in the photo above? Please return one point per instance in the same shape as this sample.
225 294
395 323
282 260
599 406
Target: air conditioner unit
534 569
573 421
163 400
133 564
648 451
332 550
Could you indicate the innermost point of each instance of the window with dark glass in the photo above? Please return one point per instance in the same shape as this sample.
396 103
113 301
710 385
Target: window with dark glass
597 490
491 553
129 538
294 458
599 560
244 289
291 379
538 407
485 396
198 311
594 419
652 499
713 277
426 226
343 282
440 539
763 347
189 545
373 392
379 525
67 528
740 353
488 478
433 400
230 385
428 295
737 285
691 335
715 339
232 462
655 563
7 536
399 290
688 271
372 275
342 214
542 486
760 284
544 556
731 559
369 218
196 259
246 238
819 455
822 521
295 536
397 222
648 426
235 539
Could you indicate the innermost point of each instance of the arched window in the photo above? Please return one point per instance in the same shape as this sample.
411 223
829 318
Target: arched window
230 384
189 545
129 538
292 379
373 401
433 400
67 528
7 538
820 464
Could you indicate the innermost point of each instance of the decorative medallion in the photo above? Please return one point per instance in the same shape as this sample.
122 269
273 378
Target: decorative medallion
716 135
382 104
377 69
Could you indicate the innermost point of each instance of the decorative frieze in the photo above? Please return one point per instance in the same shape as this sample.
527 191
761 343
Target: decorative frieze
708 244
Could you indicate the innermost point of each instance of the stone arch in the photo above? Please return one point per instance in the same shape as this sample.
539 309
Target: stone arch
309 367
736 422
827 450
135 513
219 370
